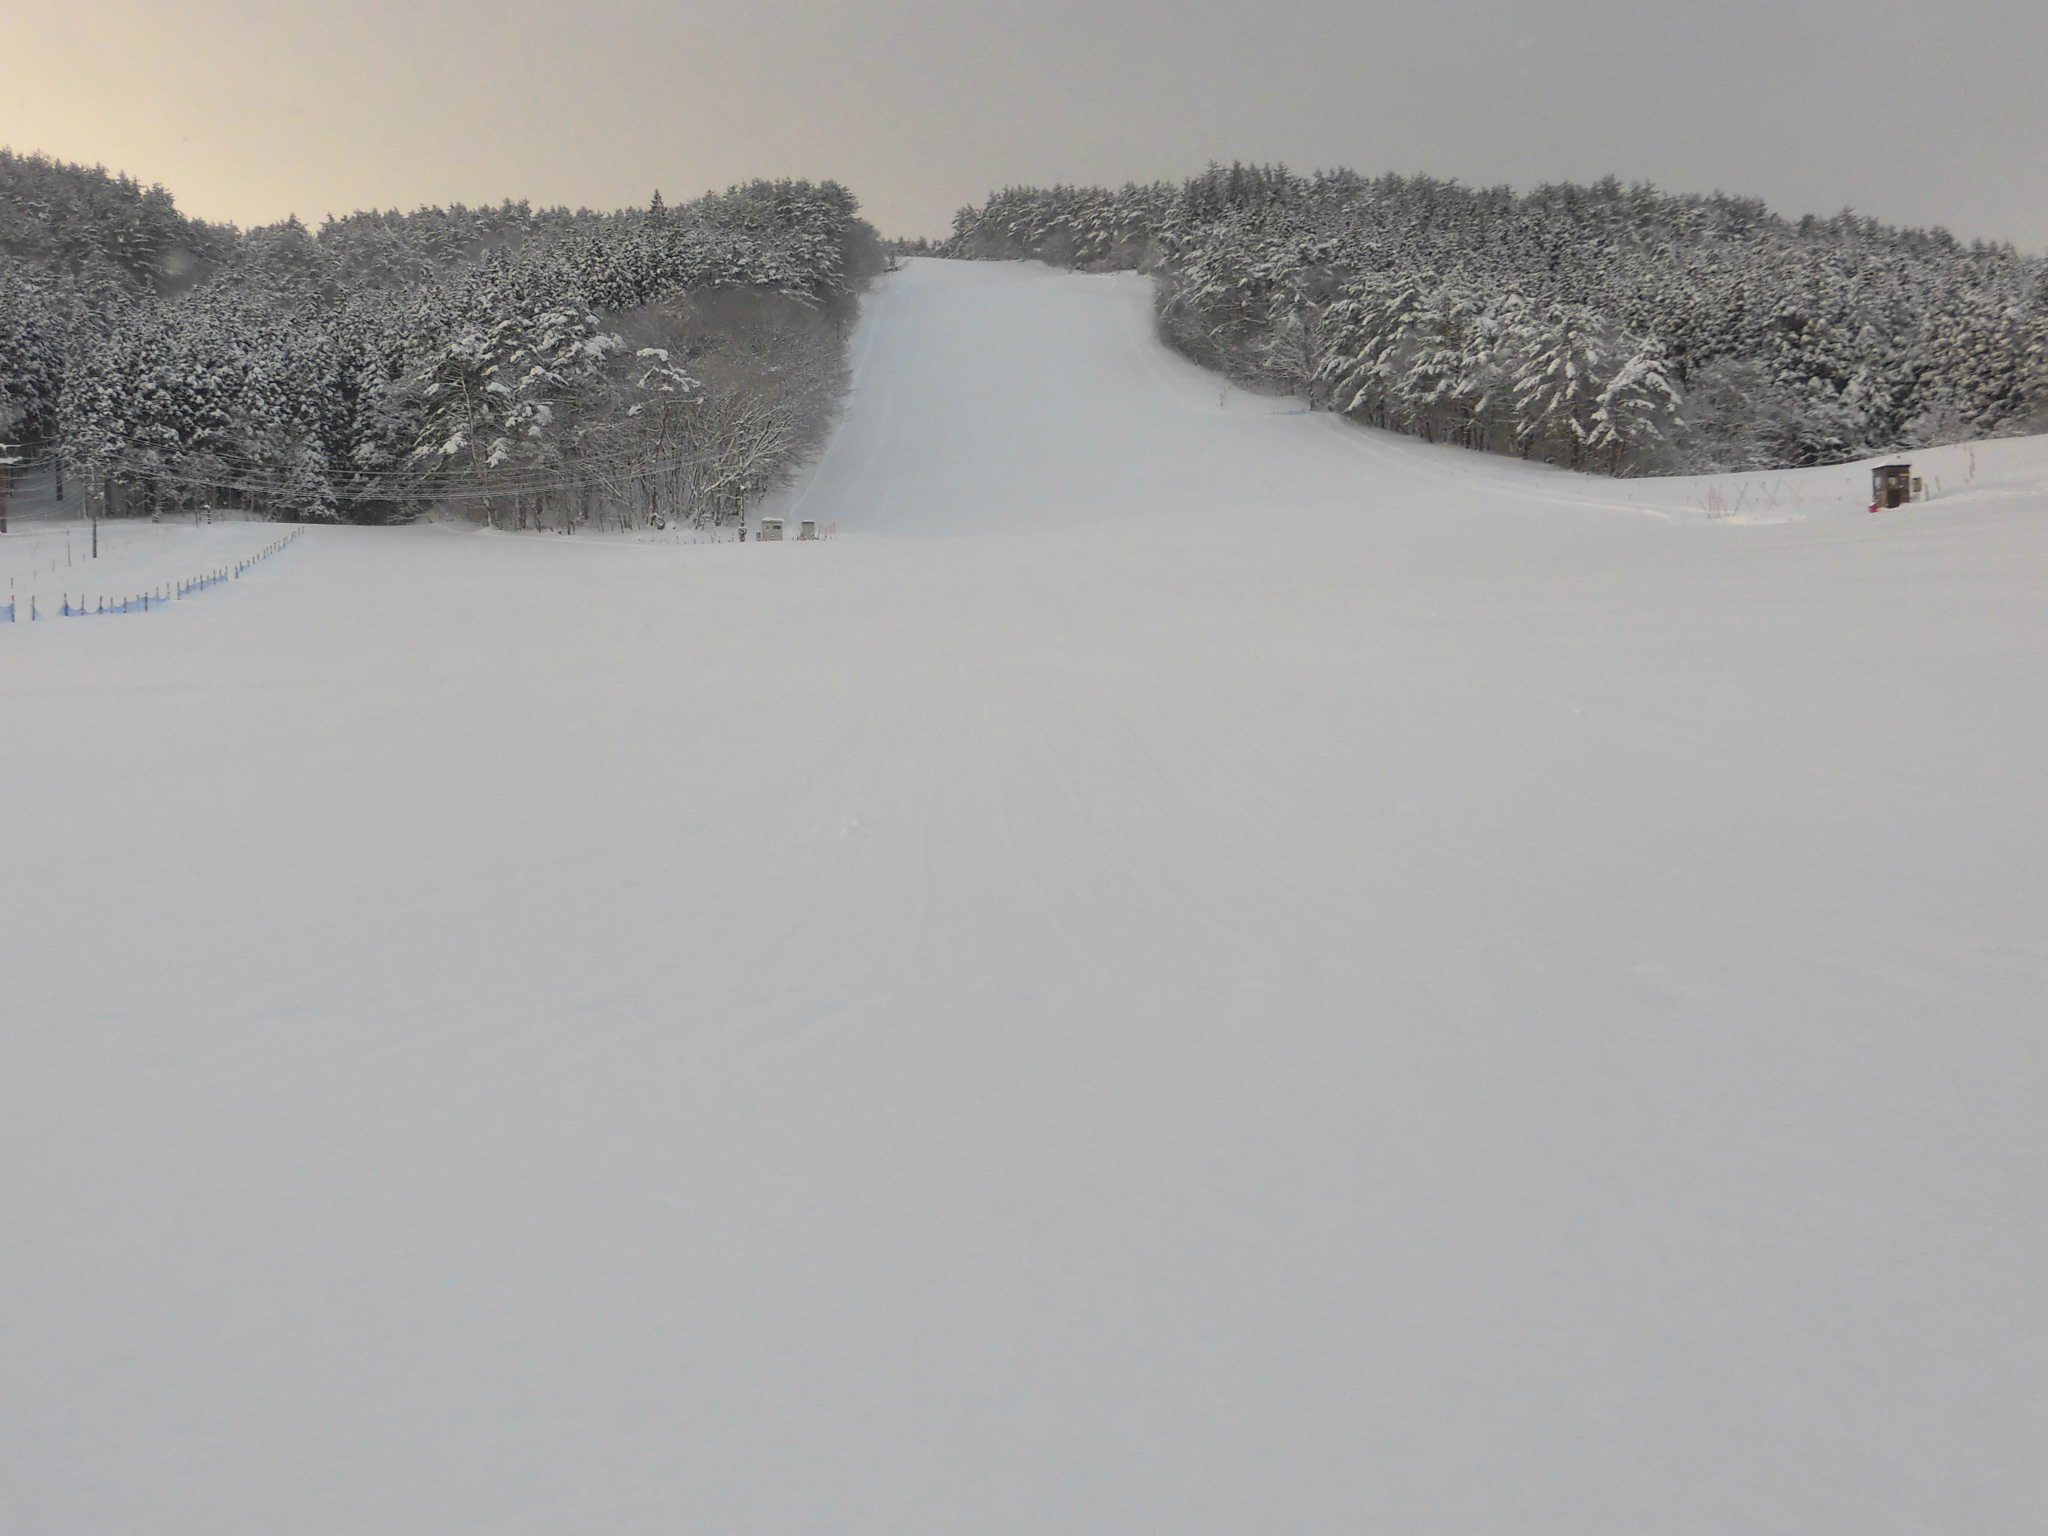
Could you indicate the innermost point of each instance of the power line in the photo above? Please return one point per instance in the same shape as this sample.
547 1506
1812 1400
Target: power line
609 474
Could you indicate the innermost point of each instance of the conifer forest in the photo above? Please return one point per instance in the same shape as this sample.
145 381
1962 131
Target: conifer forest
1613 328
536 367
550 368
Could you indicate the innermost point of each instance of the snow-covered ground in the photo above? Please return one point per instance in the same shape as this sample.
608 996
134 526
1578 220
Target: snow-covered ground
49 563
1198 970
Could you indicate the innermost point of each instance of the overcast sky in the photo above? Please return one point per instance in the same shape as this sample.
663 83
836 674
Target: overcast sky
1913 111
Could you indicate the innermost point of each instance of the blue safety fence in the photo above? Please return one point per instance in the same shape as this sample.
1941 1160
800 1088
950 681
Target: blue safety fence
160 596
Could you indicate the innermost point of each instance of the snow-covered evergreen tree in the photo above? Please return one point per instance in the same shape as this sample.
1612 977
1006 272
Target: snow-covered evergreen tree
391 361
1426 304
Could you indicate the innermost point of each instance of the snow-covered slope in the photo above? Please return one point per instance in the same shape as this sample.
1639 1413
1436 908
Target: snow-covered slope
1197 970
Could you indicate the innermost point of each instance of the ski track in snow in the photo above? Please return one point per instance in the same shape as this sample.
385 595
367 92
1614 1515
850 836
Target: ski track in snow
1198 970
